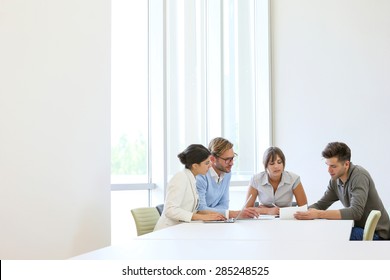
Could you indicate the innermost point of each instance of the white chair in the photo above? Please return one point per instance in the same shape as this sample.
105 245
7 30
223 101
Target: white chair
371 222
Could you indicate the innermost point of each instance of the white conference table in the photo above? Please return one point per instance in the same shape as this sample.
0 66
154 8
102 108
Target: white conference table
269 230
248 240
206 249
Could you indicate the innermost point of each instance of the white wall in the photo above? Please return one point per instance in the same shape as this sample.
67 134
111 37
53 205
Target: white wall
331 66
54 128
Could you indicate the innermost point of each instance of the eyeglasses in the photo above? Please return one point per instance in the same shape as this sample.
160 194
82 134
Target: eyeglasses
228 160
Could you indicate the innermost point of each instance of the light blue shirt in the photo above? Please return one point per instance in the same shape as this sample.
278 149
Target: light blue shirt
213 195
284 193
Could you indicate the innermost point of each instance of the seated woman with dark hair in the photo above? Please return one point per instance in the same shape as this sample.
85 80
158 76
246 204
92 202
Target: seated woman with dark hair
275 187
182 198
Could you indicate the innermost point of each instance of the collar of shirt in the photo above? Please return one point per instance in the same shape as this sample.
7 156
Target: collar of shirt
190 176
340 183
283 180
350 170
214 174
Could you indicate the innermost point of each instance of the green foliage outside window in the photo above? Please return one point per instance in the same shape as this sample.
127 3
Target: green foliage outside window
129 158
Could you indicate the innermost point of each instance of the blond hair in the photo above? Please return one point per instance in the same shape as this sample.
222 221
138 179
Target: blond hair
219 145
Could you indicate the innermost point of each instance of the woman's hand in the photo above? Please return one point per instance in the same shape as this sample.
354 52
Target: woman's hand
273 211
214 217
208 216
266 210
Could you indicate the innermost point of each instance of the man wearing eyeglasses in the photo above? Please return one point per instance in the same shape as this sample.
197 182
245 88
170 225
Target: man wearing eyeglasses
213 188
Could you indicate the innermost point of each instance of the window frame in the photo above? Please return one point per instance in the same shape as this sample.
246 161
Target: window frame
158 151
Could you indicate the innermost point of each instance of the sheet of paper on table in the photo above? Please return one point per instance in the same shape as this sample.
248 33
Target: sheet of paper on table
287 213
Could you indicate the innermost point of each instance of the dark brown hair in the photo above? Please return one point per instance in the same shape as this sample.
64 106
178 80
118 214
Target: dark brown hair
270 155
337 149
194 153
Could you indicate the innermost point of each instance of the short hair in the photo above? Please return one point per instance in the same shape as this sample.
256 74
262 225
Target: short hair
194 153
270 155
337 149
219 145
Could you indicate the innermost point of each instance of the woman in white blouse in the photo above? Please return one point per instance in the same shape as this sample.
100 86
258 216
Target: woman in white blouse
275 187
182 198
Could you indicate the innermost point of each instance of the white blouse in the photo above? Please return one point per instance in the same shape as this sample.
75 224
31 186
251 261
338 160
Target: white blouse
283 196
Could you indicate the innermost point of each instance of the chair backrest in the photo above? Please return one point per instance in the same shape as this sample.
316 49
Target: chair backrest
371 222
145 219
160 208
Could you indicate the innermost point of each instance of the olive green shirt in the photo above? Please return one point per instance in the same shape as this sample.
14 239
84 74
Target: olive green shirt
359 196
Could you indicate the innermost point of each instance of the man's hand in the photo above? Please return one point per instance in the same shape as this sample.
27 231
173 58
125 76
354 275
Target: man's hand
310 214
249 212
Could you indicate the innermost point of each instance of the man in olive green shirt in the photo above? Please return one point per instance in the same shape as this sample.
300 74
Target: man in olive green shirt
353 186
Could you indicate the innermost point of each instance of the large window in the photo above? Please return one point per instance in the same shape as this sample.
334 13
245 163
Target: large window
129 92
216 52
184 72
